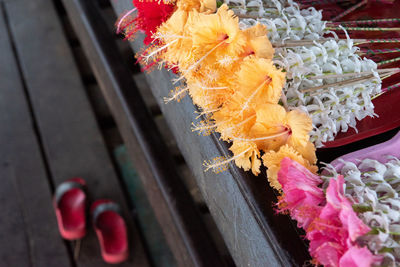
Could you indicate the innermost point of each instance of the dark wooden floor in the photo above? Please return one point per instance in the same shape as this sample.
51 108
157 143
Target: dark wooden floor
54 125
48 133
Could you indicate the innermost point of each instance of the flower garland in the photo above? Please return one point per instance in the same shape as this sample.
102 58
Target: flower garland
230 75
331 225
314 62
260 97
373 188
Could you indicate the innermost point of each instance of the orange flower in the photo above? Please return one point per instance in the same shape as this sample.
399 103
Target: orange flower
245 154
307 151
239 111
212 85
230 126
207 6
216 35
275 127
208 93
174 32
272 160
176 42
258 43
257 82
230 75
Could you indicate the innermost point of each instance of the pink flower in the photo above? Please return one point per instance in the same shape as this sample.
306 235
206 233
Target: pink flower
360 257
339 208
302 196
336 229
324 252
331 224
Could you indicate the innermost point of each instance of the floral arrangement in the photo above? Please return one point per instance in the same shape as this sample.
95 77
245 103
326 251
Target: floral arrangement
373 189
326 214
268 78
351 216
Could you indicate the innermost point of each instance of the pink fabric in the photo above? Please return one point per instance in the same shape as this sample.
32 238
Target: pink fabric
378 152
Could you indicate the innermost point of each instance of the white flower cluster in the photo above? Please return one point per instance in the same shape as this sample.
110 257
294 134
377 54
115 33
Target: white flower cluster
374 188
331 109
284 19
336 108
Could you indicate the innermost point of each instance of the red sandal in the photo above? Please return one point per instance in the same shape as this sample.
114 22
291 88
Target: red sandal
70 206
111 230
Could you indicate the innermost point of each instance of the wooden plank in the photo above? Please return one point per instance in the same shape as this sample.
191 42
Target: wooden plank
241 204
28 227
158 249
72 140
151 103
174 208
12 225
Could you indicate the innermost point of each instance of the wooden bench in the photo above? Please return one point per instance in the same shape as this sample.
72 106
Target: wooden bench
48 133
242 205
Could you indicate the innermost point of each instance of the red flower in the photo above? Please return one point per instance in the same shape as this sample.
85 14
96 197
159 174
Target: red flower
150 15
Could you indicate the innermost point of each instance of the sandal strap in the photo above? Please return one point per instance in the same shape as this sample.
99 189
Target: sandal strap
108 206
66 186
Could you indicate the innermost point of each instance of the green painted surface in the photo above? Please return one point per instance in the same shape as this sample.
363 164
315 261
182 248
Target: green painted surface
154 238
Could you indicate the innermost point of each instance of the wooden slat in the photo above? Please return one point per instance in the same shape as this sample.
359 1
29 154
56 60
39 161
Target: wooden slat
28 227
12 225
160 252
72 140
185 233
241 204
151 103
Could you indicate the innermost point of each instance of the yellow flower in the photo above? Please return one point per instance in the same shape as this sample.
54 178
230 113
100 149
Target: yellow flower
258 43
246 156
230 76
307 151
275 127
215 82
272 160
176 43
216 35
199 5
230 126
206 92
258 82
300 125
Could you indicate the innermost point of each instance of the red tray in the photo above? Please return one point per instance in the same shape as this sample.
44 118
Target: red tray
387 106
